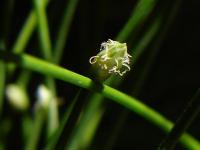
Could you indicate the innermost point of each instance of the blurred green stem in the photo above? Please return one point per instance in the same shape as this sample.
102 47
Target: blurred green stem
46 68
58 51
149 62
64 29
139 14
77 134
45 43
5 17
24 79
2 84
137 51
43 29
37 127
54 139
24 36
92 128
184 121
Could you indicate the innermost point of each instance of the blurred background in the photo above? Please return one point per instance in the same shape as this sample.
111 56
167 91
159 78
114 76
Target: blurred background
168 84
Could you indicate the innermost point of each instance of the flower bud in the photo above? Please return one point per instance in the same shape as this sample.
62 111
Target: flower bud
113 58
17 97
44 97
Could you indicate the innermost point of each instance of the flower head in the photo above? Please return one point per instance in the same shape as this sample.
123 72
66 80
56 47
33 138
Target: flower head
17 97
113 58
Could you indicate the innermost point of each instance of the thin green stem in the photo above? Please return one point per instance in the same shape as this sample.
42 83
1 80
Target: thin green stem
92 128
46 68
24 36
2 84
43 29
58 51
27 126
64 29
24 79
143 75
55 137
139 14
184 121
77 134
116 130
37 126
137 50
45 43
157 44
5 16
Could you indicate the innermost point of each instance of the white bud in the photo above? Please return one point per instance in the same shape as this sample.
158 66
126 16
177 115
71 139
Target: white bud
44 96
17 97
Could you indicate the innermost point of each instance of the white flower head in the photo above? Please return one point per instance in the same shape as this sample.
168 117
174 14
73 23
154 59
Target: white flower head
43 96
113 58
17 97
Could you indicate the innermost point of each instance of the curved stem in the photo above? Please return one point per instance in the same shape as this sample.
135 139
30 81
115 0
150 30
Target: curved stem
139 14
46 68
64 29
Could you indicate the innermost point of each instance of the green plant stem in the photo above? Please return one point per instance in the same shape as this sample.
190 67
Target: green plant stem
24 79
64 29
46 68
43 29
77 134
137 51
139 48
37 126
54 139
5 16
92 128
45 43
148 65
27 126
24 36
2 84
139 14
184 121
156 47
58 51
85 139
116 130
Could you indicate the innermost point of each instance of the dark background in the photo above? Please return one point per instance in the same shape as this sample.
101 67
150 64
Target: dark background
171 82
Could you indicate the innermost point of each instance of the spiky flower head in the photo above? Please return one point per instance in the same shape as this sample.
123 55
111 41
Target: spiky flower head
113 58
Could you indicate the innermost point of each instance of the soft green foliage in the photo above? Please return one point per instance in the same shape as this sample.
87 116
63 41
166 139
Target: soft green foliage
2 84
29 62
111 65
140 12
